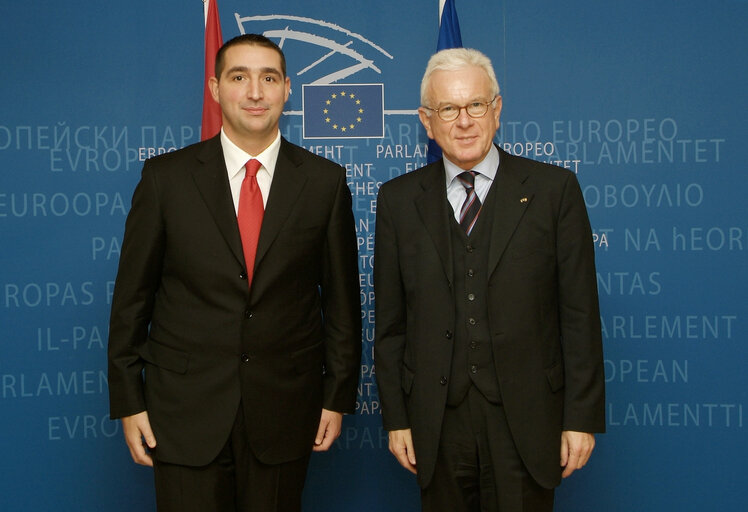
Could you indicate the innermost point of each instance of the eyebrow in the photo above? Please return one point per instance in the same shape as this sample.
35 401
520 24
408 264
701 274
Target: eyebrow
478 99
244 69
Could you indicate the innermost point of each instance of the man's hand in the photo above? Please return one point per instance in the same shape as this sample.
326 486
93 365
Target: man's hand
330 425
576 448
401 446
137 429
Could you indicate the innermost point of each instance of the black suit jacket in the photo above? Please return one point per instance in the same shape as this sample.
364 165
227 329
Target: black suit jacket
542 309
182 310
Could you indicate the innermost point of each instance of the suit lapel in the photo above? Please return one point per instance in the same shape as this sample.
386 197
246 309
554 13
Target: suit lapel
513 196
288 182
211 179
434 212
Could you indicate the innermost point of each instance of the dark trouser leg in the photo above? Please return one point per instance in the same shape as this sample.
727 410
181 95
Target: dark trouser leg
236 481
478 468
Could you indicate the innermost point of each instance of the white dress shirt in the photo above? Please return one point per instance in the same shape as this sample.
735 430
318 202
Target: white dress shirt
486 170
237 158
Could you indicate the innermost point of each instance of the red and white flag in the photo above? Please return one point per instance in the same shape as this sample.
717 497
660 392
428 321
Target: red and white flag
213 41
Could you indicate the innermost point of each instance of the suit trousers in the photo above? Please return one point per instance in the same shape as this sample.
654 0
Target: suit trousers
236 481
478 468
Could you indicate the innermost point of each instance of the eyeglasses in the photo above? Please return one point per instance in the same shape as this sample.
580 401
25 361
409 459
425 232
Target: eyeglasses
476 110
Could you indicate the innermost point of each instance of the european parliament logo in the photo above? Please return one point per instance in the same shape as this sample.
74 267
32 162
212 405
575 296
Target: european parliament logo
327 54
336 111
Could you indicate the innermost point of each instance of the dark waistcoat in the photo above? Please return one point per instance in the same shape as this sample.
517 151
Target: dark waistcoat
472 358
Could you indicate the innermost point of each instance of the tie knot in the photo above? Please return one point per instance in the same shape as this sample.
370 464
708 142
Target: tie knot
467 179
252 167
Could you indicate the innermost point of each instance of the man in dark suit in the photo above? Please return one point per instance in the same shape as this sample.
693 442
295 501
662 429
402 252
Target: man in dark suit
488 346
232 357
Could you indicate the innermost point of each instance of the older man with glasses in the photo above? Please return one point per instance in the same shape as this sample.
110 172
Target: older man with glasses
488 342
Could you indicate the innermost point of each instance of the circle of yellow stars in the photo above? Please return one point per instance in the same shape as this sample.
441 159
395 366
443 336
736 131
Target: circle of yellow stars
343 95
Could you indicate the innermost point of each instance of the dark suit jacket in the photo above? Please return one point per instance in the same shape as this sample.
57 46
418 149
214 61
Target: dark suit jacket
542 309
183 312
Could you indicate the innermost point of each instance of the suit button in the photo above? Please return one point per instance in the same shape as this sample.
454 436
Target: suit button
448 335
469 248
470 272
243 276
247 313
471 321
245 358
471 297
473 344
443 381
473 369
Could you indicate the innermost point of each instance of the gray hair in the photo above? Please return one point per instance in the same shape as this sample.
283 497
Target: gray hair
454 59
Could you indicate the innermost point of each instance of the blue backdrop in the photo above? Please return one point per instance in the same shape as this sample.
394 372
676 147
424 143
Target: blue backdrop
643 100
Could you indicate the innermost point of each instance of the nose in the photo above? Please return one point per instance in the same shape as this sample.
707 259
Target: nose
463 118
254 90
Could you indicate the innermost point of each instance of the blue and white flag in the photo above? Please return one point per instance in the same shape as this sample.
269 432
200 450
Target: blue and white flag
338 111
449 37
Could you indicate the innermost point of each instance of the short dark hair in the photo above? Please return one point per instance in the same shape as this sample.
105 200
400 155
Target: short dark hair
251 40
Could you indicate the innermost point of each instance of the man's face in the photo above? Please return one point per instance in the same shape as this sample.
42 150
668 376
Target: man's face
251 91
465 141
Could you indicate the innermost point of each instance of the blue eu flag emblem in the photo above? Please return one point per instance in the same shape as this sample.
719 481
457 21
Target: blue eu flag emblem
343 111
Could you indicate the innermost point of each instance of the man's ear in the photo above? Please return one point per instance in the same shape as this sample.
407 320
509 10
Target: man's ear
213 84
425 118
496 110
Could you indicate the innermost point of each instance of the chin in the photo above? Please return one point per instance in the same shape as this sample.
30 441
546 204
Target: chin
467 160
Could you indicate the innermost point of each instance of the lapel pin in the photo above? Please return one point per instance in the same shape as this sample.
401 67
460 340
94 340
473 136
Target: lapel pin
523 200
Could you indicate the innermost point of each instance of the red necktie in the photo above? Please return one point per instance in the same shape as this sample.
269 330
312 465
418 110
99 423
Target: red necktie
250 215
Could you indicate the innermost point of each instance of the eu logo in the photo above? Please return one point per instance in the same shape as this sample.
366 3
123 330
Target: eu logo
343 111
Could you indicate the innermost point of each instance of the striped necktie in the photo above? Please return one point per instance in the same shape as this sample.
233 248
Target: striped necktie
472 205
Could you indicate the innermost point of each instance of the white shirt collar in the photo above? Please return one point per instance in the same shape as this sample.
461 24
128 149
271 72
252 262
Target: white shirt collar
236 157
487 167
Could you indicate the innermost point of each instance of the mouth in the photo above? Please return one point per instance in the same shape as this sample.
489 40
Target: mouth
255 110
466 140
